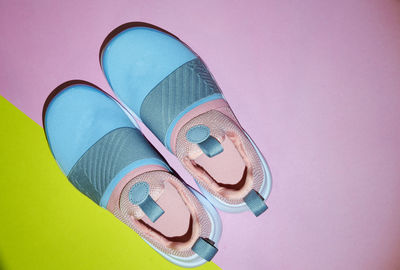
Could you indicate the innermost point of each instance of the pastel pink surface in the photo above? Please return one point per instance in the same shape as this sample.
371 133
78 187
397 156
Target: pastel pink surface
315 84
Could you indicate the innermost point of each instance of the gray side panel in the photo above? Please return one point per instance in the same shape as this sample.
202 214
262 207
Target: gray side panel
106 158
187 84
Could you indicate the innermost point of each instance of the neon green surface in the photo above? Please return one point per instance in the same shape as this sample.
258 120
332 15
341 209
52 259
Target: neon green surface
45 222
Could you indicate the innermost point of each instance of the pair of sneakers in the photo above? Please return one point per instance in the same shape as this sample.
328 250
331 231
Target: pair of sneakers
98 145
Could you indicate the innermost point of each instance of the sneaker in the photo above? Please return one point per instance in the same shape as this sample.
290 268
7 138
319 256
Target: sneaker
99 147
167 85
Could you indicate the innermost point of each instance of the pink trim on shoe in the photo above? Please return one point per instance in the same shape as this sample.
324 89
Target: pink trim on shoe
232 194
113 202
195 226
218 104
145 228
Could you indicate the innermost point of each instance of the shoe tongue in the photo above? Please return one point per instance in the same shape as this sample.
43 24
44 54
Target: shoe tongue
227 167
143 196
207 143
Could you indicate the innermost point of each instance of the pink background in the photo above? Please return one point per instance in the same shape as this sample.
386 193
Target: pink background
315 83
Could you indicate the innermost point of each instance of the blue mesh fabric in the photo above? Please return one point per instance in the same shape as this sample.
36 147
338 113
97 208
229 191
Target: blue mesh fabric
106 158
186 85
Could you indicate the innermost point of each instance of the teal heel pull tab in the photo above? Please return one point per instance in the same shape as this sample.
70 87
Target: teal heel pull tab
205 248
255 203
200 135
140 195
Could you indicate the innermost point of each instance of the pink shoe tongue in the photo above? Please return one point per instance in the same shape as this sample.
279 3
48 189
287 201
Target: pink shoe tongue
157 188
176 218
200 135
226 167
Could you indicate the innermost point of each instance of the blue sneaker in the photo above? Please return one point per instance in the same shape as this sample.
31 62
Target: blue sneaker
99 147
165 84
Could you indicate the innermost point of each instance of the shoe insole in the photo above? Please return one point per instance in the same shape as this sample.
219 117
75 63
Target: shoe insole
176 218
227 167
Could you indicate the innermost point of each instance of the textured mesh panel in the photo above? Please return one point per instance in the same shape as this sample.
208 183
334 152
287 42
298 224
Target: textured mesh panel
127 211
187 84
219 124
106 158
